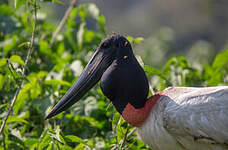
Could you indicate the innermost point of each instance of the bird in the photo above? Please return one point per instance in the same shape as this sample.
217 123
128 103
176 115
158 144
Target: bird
177 118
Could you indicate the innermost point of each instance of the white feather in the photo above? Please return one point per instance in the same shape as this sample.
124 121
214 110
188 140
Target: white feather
186 118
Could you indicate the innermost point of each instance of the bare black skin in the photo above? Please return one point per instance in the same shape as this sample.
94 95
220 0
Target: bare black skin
122 79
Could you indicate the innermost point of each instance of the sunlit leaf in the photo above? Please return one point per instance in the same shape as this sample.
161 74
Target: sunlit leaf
42 74
130 39
2 62
45 141
1 81
221 60
24 44
17 59
138 40
79 147
15 119
58 2
57 82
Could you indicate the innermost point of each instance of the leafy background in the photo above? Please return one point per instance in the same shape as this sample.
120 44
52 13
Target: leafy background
93 122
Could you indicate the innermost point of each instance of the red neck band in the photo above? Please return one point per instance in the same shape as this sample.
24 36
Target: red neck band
136 117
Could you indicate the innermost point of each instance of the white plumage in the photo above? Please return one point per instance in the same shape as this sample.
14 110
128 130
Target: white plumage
187 118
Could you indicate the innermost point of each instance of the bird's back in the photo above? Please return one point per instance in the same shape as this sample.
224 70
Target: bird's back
188 118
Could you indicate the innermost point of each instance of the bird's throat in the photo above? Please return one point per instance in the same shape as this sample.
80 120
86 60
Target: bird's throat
136 117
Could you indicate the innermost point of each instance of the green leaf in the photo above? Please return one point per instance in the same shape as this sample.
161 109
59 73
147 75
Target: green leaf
135 40
1 81
3 105
45 141
2 62
24 44
102 23
138 40
57 82
44 48
80 147
22 96
30 141
16 139
42 74
80 34
71 19
216 74
76 139
152 71
50 147
11 44
17 59
82 12
29 92
14 119
120 130
130 39
221 60
115 120
56 135
5 10
19 3
58 2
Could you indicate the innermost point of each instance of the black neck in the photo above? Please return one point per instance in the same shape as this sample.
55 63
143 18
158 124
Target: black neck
125 82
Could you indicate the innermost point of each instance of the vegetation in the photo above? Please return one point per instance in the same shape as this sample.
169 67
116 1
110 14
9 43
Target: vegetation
37 74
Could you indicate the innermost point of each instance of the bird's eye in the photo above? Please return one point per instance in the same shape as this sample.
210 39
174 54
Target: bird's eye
105 45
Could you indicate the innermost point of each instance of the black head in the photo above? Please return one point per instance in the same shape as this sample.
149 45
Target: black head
122 78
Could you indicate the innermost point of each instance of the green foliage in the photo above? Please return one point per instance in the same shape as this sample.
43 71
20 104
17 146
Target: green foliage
17 59
179 72
92 123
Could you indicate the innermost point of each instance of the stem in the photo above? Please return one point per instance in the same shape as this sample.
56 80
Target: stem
124 139
30 50
62 23
126 136
132 131
151 90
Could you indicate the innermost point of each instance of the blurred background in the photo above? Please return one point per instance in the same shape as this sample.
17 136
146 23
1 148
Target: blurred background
195 29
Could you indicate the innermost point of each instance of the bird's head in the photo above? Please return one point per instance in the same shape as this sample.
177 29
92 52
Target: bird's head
121 77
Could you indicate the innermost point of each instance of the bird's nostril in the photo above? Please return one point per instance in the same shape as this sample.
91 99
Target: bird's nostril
125 44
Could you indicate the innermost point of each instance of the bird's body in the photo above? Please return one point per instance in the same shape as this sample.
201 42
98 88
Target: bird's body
175 119
186 118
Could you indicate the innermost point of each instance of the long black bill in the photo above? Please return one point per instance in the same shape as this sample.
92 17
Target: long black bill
88 78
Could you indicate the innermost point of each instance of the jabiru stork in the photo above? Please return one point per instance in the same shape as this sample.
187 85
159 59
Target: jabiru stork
178 118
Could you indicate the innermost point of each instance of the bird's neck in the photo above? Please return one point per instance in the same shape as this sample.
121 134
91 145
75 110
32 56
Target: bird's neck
136 117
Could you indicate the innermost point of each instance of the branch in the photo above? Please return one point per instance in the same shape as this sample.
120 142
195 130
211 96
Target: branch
62 23
30 50
132 131
126 136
